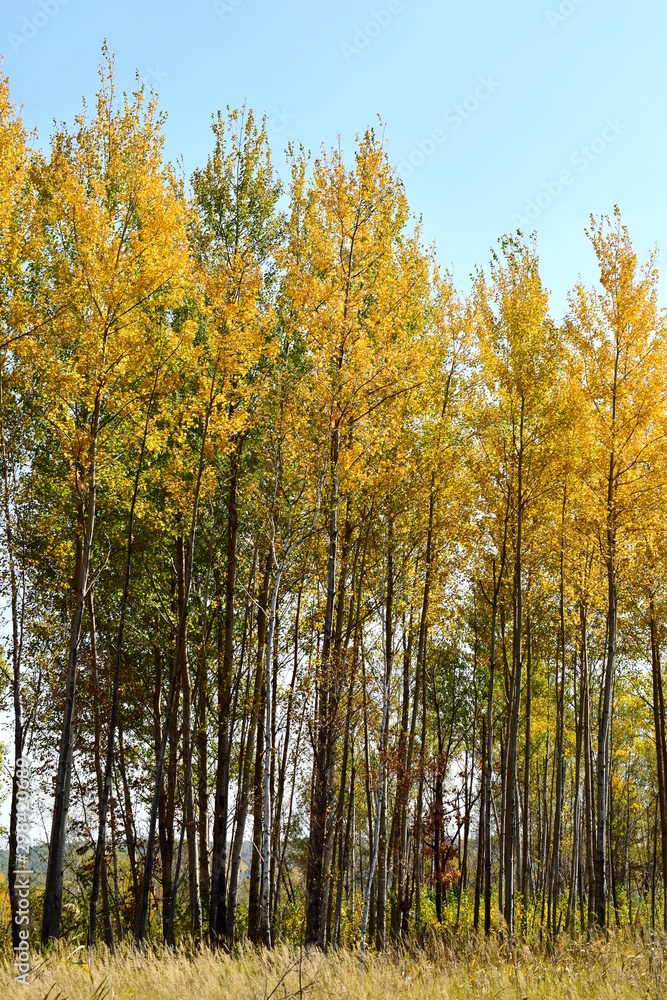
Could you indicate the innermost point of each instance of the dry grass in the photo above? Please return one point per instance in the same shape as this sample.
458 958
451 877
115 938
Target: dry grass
618 968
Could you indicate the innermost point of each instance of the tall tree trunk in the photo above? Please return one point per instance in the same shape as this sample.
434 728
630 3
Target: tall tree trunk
282 770
128 821
560 749
171 768
608 679
588 769
526 776
380 930
150 844
189 810
481 840
660 744
515 702
376 841
19 733
489 762
570 919
316 874
113 721
254 914
188 822
108 926
53 890
202 800
488 773
255 737
218 916
268 757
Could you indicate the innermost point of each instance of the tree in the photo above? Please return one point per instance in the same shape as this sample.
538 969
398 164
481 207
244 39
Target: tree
619 336
114 231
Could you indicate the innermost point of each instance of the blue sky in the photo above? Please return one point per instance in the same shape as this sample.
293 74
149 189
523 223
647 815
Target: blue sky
533 113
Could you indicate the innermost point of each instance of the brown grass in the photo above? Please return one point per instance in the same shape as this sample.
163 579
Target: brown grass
617 968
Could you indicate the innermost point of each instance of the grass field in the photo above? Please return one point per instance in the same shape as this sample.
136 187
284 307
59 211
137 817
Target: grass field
617 968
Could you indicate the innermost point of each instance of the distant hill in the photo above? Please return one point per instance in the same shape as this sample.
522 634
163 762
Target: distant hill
38 858
40 852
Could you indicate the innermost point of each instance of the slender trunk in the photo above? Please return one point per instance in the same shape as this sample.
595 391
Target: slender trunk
282 770
526 776
53 891
497 580
660 745
244 796
108 926
608 680
489 766
170 775
376 841
588 769
515 703
437 832
188 816
570 919
254 915
128 821
343 861
420 798
560 752
19 734
268 756
316 875
106 790
380 930
150 845
481 839
218 916
202 800
189 810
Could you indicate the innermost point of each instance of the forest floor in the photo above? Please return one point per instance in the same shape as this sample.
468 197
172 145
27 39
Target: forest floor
620 967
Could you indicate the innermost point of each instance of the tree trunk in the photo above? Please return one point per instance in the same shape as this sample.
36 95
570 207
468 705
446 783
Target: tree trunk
560 750
570 919
526 777
660 745
102 874
150 844
255 730
19 734
218 916
106 787
380 930
316 874
588 769
268 757
515 703
481 840
254 915
53 890
608 680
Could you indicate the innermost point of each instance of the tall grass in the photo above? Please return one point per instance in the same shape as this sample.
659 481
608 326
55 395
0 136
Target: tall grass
621 967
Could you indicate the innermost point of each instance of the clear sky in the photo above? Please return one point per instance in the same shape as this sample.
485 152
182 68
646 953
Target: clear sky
534 112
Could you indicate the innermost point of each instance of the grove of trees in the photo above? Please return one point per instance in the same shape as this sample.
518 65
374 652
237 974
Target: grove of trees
335 597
